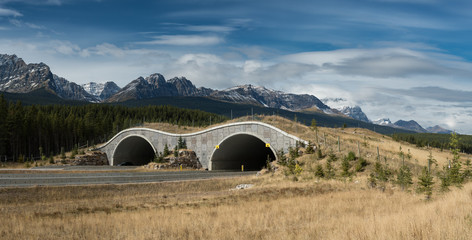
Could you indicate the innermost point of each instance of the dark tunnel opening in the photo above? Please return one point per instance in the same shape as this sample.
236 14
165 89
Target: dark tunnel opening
241 149
135 150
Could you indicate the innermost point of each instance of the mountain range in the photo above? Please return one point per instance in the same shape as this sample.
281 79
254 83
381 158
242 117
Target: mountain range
18 77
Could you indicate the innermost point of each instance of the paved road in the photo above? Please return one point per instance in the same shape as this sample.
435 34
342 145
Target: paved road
64 178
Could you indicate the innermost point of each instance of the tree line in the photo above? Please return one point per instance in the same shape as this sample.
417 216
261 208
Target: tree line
436 140
27 131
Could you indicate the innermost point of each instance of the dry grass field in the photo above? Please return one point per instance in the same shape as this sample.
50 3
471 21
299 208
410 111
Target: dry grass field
276 207
273 209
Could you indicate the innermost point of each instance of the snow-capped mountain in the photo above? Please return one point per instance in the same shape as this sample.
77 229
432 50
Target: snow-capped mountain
355 112
269 98
101 90
18 77
345 107
156 86
383 122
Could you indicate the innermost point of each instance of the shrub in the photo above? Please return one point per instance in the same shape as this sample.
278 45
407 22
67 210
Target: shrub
63 153
298 170
159 157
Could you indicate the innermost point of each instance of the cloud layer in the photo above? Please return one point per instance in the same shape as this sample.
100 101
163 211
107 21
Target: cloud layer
395 58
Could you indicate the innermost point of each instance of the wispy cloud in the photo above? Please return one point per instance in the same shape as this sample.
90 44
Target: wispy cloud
208 28
435 93
184 40
4 12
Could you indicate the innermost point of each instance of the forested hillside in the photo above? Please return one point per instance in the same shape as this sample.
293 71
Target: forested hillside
435 140
26 129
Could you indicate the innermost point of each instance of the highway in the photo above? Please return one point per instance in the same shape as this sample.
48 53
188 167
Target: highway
59 178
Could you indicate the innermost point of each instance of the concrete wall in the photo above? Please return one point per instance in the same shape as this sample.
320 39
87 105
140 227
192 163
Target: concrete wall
204 142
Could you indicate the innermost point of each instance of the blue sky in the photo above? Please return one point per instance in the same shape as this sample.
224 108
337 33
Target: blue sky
402 59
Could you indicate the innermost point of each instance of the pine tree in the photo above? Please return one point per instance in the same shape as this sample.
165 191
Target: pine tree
330 171
309 149
319 171
404 177
166 150
425 183
182 144
345 166
445 179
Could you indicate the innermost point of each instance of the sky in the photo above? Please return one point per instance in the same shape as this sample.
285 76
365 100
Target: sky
397 59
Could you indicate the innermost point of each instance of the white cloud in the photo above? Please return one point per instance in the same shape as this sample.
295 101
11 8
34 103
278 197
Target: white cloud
208 28
184 40
9 13
393 90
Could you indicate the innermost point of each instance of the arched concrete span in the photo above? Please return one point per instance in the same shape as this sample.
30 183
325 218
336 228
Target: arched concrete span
241 149
135 149
215 145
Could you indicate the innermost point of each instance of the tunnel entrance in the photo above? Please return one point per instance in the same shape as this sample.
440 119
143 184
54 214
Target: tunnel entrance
135 150
241 149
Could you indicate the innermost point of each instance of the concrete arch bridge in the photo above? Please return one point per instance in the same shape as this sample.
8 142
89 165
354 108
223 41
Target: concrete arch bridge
224 147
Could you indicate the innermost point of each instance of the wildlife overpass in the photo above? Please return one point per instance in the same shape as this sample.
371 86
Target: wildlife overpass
224 147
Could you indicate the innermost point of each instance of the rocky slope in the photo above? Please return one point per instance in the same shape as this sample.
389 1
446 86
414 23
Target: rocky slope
410 125
438 129
156 86
355 112
101 90
18 77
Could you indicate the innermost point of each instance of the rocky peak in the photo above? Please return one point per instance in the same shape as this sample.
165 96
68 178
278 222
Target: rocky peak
184 86
8 60
410 125
438 129
156 80
101 90
355 112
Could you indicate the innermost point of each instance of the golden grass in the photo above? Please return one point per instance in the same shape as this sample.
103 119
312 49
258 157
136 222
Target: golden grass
273 209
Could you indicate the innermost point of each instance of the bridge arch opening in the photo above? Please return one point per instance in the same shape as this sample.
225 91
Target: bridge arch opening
135 150
241 149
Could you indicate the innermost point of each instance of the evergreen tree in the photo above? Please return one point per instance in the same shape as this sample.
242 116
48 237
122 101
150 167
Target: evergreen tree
467 173
319 171
309 149
182 144
404 177
319 154
330 171
361 164
282 159
176 151
345 166
425 183
313 124
445 179
166 150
